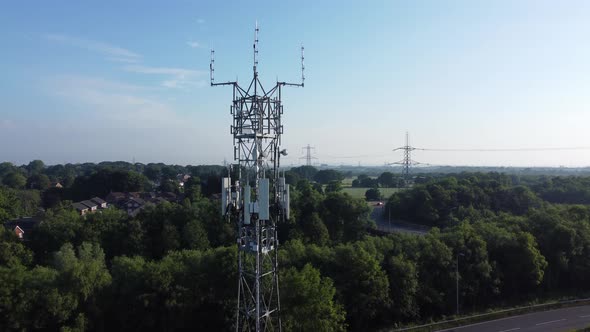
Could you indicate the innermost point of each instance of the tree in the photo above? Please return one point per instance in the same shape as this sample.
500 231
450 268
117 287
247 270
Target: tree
84 273
34 299
109 228
308 301
184 290
168 186
315 230
105 180
153 172
9 204
305 172
29 202
362 285
346 218
434 261
60 226
194 235
517 261
292 178
35 167
373 194
325 176
6 168
192 188
403 280
475 270
12 250
333 186
364 181
387 180
14 180
38 181
52 197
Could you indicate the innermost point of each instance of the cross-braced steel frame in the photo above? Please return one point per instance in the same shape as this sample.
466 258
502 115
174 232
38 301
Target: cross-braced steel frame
407 162
257 131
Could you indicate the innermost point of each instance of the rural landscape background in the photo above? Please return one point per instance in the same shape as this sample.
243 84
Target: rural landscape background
114 146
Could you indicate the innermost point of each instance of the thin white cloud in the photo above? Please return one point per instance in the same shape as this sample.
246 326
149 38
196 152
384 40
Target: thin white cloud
163 70
201 21
193 44
176 77
124 60
114 103
112 51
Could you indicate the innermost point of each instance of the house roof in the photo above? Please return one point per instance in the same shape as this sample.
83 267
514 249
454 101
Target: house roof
116 196
137 200
80 206
26 224
98 200
89 203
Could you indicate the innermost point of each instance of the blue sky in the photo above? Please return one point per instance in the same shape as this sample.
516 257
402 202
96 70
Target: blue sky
108 80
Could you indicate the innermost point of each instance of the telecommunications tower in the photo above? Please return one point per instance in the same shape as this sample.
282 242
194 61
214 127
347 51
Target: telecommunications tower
407 162
255 197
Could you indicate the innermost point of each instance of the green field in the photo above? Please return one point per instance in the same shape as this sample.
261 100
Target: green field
360 192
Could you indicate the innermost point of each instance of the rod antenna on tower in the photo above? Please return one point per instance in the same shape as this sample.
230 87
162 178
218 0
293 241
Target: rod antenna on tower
256 49
211 64
302 66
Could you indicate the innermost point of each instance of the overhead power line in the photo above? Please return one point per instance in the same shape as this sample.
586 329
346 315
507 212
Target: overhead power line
508 149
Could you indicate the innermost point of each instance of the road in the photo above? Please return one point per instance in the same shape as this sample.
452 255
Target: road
564 319
383 224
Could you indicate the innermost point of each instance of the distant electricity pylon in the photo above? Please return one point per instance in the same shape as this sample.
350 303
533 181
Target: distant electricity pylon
407 162
308 157
258 198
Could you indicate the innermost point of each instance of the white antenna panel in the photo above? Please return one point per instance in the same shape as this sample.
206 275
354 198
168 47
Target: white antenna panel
225 195
247 205
263 199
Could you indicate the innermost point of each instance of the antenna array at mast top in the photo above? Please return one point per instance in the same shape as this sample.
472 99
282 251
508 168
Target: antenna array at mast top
255 66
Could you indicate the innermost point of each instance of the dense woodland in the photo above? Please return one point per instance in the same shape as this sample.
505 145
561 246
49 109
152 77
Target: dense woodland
173 266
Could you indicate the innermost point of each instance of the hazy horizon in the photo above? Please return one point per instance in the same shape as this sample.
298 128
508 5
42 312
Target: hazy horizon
87 82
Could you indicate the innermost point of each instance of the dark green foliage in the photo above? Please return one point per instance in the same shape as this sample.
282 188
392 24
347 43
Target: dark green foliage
333 186
364 181
346 218
437 203
55 297
184 290
373 194
9 204
326 176
308 299
14 180
389 180
305 172
35 167
106 180
38 181
171 227
173 266
12 250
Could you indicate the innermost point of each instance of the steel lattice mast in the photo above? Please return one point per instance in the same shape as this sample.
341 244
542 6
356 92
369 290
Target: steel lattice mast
407 162
308 157
258 199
